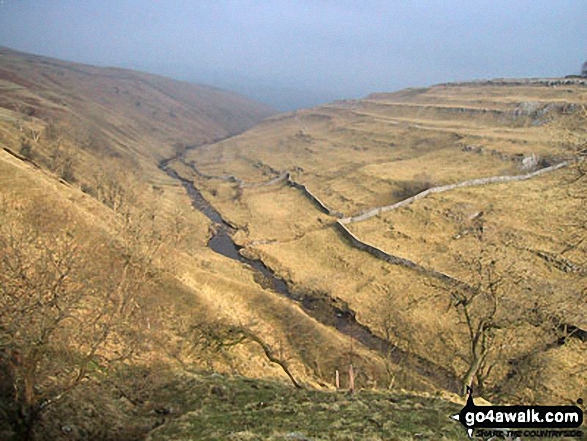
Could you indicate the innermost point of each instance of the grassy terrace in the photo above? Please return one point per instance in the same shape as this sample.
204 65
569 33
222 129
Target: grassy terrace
241 409
109 129
356 155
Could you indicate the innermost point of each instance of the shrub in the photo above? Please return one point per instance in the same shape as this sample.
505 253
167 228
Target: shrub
407 189
26 149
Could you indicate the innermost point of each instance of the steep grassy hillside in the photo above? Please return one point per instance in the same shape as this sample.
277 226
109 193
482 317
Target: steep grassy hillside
285 183
120 110
91 223
114 302
107 127
239 409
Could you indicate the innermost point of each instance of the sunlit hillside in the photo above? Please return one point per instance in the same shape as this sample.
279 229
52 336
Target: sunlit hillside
86 204
180 262
514 233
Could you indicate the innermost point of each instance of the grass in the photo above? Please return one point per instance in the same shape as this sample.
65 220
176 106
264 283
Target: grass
353 155
361 154
439 232
356 155
439 229
240 409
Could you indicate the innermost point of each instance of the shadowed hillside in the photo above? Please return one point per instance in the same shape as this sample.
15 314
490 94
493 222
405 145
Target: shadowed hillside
117 110
110 294
91 223
174 265
422 207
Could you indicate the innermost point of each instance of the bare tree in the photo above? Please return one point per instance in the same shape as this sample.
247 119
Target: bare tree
504 317
218 337
61 157
485 312
26 149
574 140
68 305
110 191
477 310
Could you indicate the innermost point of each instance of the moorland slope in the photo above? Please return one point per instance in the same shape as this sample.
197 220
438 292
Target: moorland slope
491 234
177 302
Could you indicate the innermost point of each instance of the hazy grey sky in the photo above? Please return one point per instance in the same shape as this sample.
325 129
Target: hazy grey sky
299 53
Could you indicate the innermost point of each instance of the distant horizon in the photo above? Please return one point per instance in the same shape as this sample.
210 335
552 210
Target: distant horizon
213 86
294 55
252 97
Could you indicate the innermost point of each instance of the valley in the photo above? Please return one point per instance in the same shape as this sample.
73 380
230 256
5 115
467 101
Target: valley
431 238
313 255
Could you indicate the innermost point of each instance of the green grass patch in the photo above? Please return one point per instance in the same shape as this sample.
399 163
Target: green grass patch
243 409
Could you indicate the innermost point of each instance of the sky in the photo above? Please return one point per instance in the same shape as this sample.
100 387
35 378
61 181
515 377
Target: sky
293 54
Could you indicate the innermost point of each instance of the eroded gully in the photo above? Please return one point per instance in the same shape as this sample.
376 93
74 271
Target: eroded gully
323 308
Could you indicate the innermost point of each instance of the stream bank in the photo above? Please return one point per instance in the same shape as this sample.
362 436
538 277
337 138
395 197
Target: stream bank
320 306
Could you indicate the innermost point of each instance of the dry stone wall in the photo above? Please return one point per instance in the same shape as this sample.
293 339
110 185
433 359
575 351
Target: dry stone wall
471 183
282 177
396 260
371 249
549 82
313 197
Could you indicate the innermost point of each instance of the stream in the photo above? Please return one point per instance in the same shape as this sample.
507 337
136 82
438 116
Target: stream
322 307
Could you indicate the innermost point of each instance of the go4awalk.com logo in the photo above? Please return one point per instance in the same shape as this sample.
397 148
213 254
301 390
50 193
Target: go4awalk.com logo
518 421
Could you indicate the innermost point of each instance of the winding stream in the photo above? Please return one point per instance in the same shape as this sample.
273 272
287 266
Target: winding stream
323 308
